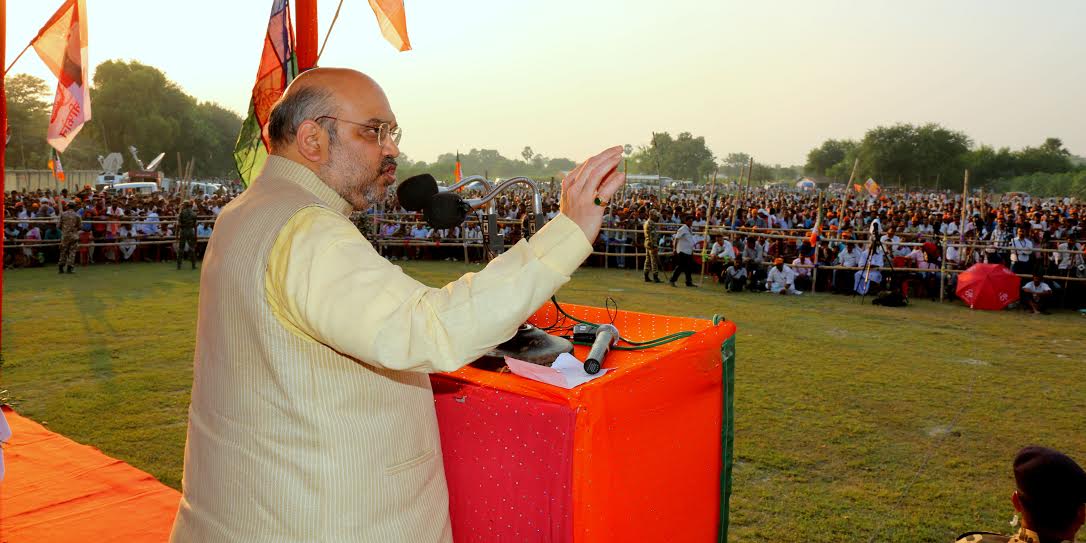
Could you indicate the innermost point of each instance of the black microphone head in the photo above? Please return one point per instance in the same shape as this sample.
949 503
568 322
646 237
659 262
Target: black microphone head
446 210
414 193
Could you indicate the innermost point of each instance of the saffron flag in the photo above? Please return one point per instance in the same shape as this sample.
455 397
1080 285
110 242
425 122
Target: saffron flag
62 46
857 187
457 172
872 187
393 22
55 166
278 67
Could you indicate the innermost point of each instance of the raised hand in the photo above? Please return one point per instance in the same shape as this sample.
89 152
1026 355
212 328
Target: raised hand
595 179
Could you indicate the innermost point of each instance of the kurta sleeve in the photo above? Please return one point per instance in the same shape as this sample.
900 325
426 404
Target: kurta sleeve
326 282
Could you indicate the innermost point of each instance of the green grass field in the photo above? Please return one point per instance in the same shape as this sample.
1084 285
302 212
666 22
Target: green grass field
854 422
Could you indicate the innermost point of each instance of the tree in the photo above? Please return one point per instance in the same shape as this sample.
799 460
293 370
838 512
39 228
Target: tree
136 104
904 154
734 164
824 157
987 164
28 121
1055 146
527 154
1050 157
683 157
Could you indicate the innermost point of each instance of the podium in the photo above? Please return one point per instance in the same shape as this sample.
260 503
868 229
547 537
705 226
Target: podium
642 453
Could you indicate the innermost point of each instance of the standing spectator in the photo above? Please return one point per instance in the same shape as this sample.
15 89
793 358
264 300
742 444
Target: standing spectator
652 247
186 233
683 242
70 224
1021 251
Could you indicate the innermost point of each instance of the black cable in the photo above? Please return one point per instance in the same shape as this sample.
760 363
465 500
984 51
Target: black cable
634 345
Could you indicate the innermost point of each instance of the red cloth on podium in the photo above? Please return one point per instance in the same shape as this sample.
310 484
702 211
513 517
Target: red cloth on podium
632 456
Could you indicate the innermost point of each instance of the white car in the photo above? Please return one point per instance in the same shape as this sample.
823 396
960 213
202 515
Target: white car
136 187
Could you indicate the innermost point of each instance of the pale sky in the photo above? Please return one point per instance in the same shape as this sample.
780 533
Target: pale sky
571 77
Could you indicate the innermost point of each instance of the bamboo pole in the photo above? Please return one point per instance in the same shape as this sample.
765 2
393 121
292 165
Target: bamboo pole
848 192
965 198
705 235
942 271
735 200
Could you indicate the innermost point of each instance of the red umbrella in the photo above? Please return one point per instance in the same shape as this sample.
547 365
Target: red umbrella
988 286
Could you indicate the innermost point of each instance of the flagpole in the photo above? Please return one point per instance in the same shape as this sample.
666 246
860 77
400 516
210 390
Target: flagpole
17 57
306 33
3 137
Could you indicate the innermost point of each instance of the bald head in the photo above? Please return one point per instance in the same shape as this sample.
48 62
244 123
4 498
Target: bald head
338 124
333 92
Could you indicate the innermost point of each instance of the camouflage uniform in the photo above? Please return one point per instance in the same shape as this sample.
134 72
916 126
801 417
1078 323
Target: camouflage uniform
1023 536
186 234
652 248
70 223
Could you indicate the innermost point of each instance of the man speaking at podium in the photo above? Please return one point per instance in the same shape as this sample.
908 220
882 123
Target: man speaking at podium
312 417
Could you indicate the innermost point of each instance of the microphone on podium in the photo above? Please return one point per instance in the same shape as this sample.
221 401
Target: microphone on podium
606 336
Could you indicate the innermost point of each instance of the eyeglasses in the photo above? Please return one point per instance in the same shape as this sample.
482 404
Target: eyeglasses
383 132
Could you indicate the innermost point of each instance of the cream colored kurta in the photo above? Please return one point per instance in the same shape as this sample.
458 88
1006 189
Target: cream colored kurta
312 418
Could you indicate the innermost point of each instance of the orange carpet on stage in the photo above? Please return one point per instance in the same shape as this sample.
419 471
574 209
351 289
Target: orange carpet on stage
56 490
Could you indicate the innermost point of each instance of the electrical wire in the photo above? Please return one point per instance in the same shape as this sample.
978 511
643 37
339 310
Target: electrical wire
632 345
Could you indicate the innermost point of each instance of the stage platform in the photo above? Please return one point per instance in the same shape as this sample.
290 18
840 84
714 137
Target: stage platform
58 491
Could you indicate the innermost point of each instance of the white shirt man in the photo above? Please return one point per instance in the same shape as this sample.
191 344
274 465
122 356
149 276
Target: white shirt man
781 279
684 240
802 266
150 226
203 230
722 250
948 228
851 256
128 244
1022 248
1069 255
953 256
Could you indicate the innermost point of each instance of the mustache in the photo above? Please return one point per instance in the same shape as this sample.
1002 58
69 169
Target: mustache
388 162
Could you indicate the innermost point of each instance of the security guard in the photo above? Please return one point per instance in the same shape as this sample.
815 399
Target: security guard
652 247
1050 498
186 233
70 223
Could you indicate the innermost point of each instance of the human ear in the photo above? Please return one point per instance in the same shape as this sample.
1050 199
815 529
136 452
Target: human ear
311 141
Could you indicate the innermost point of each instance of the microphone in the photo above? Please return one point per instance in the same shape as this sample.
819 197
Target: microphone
414 193
606 336
445 210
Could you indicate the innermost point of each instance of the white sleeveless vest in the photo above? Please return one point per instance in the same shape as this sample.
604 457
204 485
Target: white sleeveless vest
288 440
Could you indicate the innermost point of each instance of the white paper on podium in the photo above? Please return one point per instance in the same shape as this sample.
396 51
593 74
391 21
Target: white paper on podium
566 372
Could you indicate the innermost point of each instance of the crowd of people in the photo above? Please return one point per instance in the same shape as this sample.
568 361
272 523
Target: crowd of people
762 239
112 227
